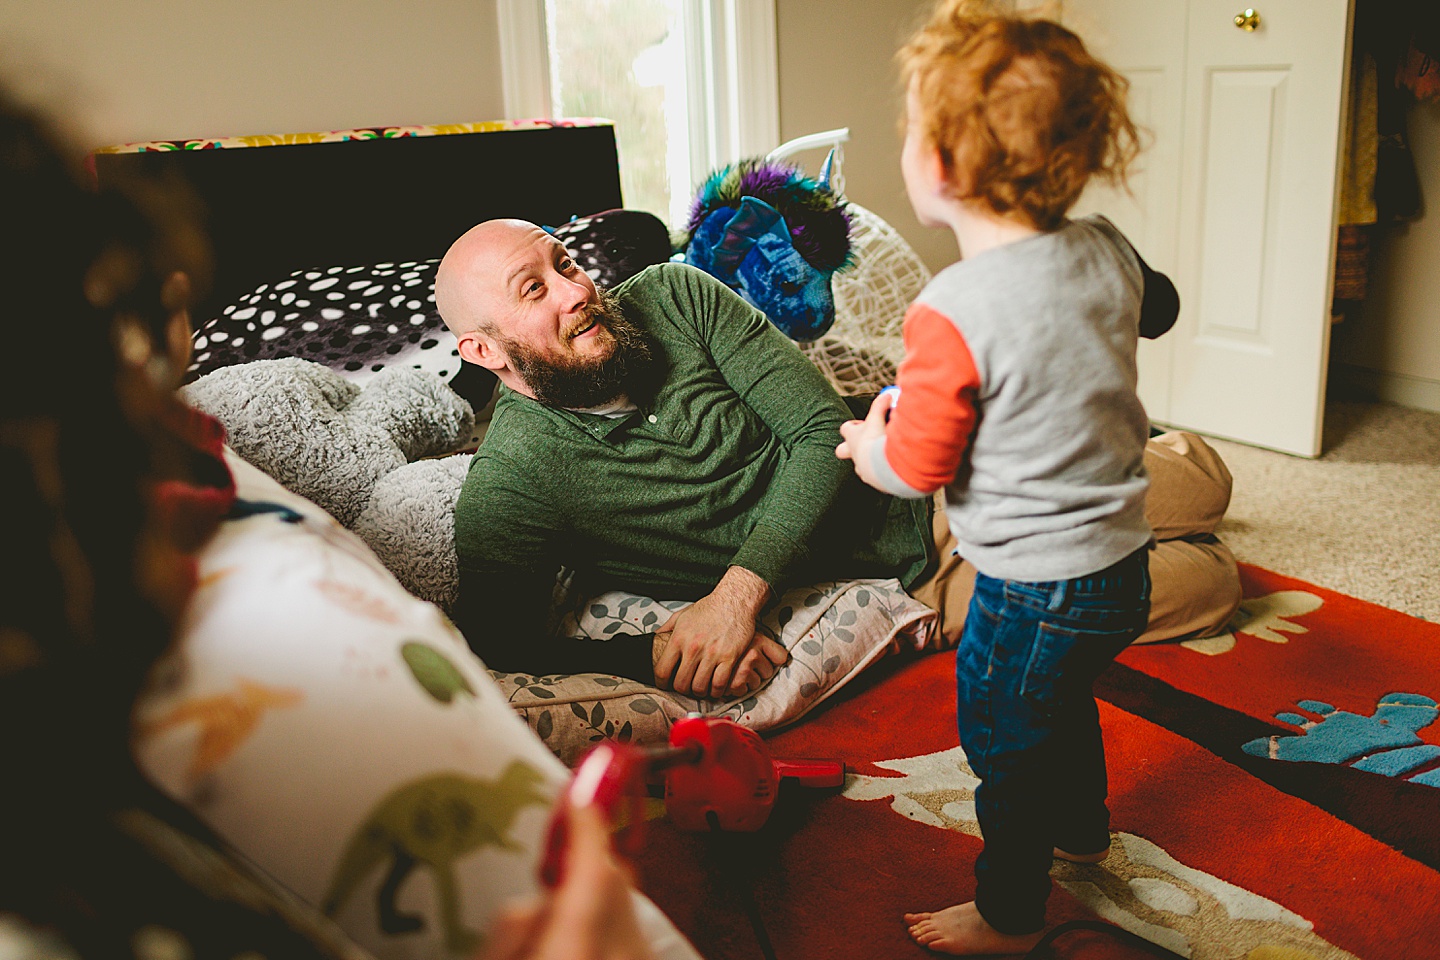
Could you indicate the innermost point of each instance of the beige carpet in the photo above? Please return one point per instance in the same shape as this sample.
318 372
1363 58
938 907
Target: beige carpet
1362 519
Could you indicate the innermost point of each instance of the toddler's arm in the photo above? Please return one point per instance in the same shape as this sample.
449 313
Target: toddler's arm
861 437
913 446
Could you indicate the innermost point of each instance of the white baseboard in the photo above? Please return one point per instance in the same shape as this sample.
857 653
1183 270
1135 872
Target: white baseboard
1422 393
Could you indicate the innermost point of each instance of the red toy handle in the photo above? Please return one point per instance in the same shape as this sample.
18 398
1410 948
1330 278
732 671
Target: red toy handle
812 773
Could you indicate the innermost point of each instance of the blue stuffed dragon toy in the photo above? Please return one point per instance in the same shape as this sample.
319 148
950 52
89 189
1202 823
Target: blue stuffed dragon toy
774 236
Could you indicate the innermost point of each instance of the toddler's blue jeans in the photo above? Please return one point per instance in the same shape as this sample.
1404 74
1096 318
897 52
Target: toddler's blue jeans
1025 669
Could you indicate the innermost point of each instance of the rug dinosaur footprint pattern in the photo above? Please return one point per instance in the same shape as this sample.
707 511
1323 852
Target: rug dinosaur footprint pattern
1383 743
433 822
1139 887
1266 618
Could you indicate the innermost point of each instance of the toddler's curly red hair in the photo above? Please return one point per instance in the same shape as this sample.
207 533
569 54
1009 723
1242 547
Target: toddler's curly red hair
1021 113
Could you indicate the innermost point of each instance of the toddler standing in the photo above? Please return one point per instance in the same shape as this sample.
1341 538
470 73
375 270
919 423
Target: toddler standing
1017 397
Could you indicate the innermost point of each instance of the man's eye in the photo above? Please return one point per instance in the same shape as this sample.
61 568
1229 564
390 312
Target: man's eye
566 264
532 287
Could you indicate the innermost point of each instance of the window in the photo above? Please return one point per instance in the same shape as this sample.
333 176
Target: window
690 84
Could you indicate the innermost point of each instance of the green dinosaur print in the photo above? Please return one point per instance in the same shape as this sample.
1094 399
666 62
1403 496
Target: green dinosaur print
433 822
434 671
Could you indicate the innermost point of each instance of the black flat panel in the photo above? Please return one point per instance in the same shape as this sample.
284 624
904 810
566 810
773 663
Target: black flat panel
274 209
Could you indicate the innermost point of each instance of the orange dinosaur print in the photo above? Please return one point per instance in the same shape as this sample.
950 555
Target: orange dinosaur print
210 578
226 720
356 600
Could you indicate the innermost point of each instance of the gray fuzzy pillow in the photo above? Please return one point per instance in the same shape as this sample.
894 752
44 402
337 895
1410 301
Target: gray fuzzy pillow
325 437
410 524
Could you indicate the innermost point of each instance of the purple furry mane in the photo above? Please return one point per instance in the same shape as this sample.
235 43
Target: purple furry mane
767 181
818 222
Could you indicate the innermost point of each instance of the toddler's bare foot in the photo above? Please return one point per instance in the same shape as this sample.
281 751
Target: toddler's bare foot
961 931
1082 857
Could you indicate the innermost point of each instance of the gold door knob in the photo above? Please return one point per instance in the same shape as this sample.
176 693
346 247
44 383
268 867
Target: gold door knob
1247 20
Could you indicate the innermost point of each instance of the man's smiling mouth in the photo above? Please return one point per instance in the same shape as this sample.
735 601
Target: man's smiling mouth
585 329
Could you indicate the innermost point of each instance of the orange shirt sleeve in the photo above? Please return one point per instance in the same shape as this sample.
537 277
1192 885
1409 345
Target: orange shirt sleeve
931 424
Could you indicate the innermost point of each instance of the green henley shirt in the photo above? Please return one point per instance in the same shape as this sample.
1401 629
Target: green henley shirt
732 463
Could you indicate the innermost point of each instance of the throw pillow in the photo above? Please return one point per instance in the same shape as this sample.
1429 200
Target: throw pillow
832 630
339 733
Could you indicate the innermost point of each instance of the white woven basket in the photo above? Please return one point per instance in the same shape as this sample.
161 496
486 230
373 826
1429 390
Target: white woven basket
861 350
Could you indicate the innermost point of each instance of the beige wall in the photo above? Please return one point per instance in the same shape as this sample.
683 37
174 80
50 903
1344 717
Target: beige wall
1392 350
170 69
837 69
126 70
174 69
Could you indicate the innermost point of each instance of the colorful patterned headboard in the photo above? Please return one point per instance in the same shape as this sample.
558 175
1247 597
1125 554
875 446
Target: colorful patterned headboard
277 204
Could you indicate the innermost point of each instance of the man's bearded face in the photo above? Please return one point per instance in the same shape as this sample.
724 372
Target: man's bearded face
567 379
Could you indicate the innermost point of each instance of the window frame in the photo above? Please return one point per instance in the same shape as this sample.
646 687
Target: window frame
732 79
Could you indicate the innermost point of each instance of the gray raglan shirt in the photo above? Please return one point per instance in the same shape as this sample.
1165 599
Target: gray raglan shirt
1050 483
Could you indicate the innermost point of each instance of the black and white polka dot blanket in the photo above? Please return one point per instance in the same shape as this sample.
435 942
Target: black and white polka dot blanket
356 320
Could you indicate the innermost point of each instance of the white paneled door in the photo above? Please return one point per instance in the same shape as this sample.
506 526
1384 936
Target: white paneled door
1236 202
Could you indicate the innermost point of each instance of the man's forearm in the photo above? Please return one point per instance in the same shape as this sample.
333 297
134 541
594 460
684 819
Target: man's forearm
744 591
800 408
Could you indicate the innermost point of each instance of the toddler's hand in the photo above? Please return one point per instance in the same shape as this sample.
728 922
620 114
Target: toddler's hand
858 435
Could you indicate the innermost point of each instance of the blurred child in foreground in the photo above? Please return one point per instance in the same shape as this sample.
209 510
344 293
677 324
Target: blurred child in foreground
108 484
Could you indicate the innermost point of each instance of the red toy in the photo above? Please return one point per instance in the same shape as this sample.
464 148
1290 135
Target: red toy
733 779
718 776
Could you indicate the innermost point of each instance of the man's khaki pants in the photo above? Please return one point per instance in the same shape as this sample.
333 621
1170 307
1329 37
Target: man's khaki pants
1195 585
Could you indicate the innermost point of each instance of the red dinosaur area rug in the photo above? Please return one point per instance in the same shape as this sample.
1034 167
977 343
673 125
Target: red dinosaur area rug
1275 795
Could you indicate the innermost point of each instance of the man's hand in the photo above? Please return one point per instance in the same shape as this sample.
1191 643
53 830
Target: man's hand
711 648
859 435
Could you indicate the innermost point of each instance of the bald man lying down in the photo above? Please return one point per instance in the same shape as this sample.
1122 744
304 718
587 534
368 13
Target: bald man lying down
665 439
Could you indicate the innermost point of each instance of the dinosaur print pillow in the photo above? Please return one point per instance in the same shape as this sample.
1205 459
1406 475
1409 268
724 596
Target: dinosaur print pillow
339 732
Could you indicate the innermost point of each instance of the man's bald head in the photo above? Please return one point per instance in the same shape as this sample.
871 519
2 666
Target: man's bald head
520 306
468 277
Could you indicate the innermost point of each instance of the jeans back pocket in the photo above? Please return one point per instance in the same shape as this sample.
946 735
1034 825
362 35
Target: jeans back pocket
1066 658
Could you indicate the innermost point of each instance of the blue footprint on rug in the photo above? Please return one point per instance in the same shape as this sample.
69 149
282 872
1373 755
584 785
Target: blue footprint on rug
1384 743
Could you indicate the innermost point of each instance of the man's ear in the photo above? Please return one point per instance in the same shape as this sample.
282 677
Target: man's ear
482 350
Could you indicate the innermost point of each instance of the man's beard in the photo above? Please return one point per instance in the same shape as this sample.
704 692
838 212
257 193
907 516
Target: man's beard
585 383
